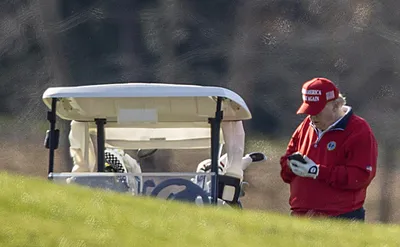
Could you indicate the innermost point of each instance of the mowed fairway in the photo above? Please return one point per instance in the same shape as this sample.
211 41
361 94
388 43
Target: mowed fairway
35 212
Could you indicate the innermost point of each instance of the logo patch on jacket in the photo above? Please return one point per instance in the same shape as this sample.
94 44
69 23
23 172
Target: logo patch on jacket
331 145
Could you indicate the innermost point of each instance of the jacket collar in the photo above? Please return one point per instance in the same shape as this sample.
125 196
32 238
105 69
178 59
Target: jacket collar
341 123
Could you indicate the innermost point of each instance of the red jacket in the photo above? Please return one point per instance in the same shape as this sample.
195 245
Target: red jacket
347 154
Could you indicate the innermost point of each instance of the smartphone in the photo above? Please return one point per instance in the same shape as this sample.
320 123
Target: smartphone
297 156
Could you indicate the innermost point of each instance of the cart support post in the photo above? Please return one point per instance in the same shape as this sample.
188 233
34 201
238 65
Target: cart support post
51 117
215 137
100 122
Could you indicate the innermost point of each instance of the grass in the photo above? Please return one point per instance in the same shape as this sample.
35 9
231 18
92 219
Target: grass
35 212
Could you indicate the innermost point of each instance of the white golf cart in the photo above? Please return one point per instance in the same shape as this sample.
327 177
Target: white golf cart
153 116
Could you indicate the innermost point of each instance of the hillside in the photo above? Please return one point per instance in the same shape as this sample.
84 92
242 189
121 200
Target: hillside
35 212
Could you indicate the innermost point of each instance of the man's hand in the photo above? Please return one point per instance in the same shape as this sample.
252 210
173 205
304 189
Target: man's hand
307 169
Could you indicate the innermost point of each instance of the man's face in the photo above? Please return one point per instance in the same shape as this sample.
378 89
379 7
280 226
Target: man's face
326 117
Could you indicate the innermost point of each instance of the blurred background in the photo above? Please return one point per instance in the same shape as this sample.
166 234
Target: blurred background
263 50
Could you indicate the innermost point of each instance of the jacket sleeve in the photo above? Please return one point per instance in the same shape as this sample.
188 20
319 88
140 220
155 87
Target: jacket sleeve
360 168
286 173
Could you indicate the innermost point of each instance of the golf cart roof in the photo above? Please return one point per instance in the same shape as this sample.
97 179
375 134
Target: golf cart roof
146 105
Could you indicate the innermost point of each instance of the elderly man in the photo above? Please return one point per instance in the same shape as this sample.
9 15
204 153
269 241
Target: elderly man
331 158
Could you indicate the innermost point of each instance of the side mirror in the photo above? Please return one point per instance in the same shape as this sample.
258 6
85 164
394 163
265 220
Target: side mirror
56 137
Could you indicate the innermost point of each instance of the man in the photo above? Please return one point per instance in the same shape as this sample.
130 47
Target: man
339 154
116 160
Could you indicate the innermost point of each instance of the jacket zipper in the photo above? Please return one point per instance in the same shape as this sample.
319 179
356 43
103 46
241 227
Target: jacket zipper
320 134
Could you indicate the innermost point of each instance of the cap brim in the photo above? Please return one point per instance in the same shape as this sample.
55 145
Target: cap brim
310 109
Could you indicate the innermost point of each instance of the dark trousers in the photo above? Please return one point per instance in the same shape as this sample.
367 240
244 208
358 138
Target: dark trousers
356 215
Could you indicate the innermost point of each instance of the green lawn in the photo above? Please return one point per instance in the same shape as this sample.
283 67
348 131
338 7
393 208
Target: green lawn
35 212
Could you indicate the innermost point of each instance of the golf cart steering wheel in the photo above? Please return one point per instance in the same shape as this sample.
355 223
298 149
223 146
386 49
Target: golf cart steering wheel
190 192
